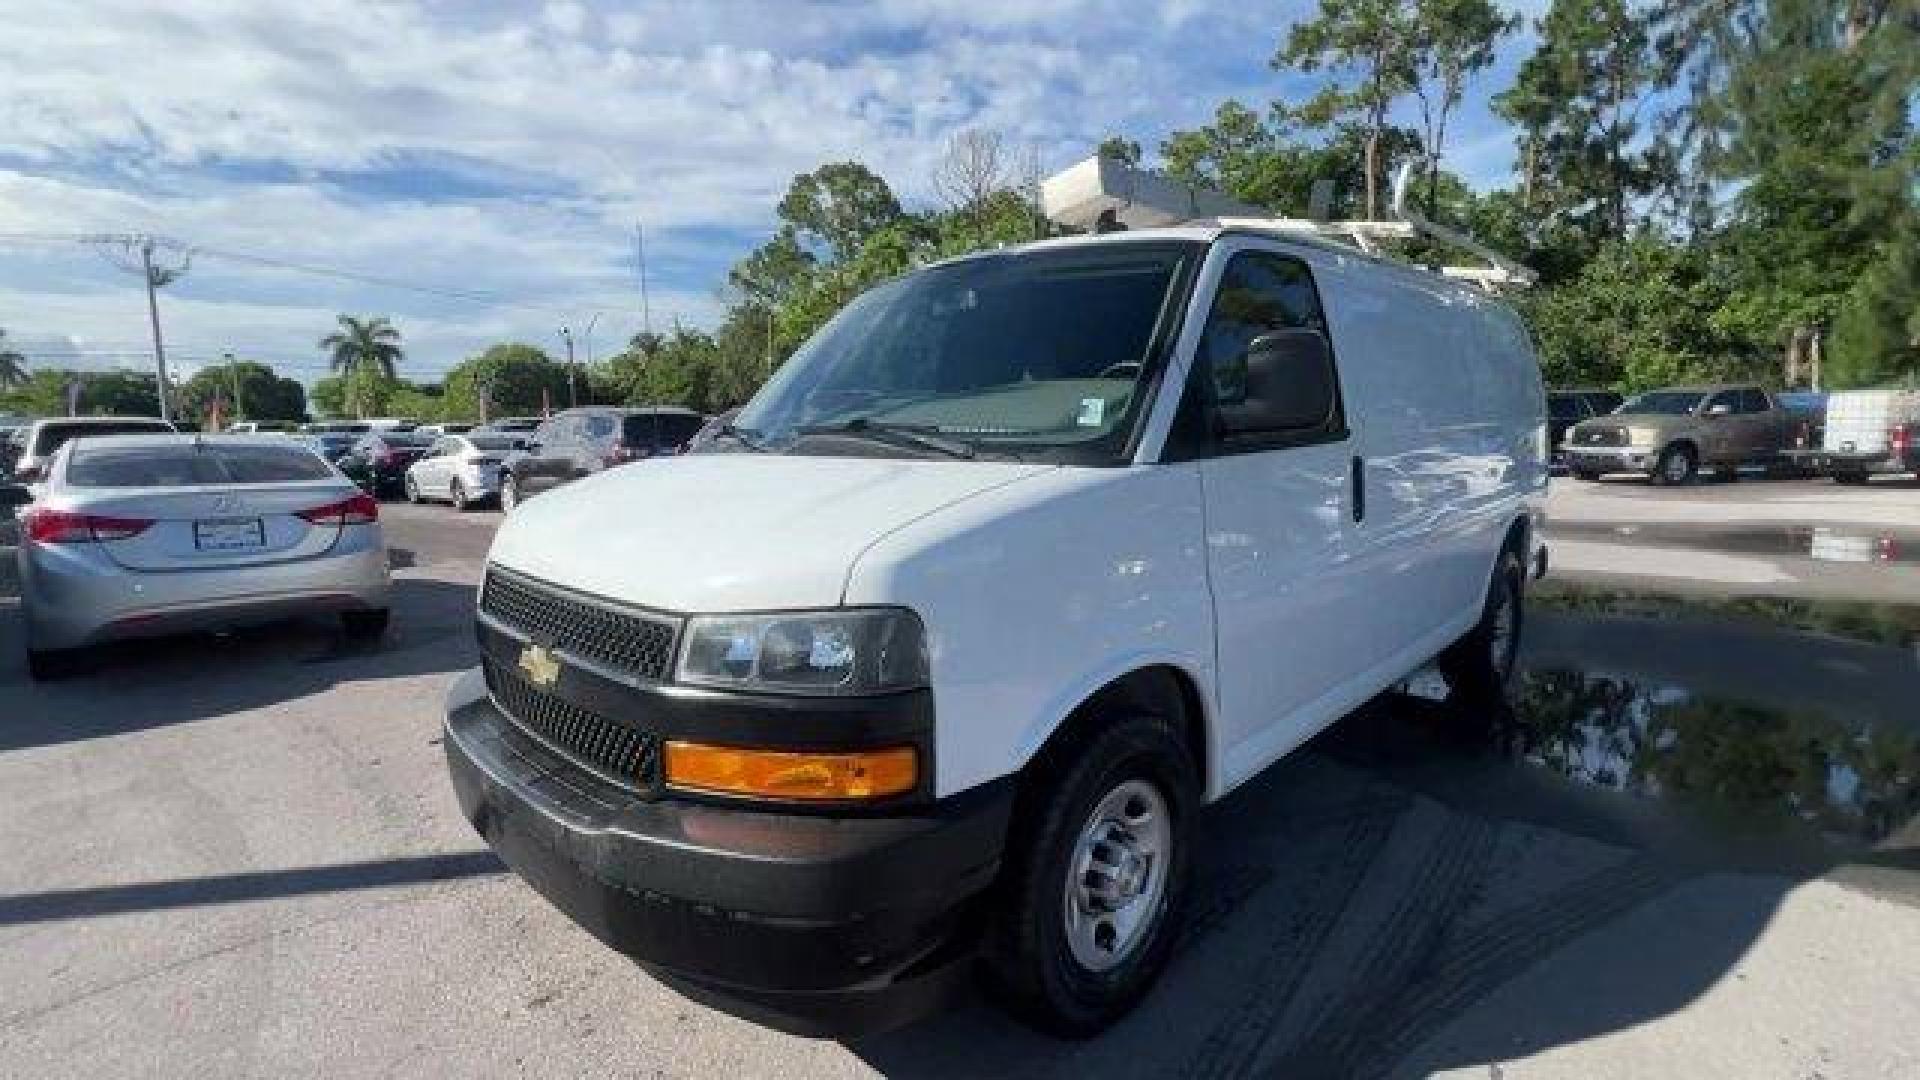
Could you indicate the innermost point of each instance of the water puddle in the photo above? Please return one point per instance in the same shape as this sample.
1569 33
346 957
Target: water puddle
1852 779
1822 543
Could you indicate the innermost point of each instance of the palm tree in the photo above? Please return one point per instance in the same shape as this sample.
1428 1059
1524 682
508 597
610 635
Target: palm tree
362 345
13 365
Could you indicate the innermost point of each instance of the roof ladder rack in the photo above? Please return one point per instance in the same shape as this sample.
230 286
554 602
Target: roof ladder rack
1102 193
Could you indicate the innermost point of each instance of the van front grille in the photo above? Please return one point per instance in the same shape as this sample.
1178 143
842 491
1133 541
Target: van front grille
625 755
631 642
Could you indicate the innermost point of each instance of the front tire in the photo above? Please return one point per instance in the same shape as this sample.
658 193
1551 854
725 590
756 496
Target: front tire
1095 877
1677 466
1481 665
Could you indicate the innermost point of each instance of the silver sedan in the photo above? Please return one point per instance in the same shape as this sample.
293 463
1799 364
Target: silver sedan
140 535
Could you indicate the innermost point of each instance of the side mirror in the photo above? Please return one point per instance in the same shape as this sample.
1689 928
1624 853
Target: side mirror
1720 409
1290 385
14 496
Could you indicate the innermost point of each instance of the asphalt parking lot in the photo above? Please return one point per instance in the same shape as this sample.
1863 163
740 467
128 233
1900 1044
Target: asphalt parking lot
1693 849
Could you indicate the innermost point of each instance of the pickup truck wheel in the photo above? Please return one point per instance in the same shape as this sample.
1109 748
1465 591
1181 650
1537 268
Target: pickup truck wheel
1095 875
1480 665
1677 465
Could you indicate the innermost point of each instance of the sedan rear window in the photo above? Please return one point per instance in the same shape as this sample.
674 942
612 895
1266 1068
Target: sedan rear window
54 436
192 466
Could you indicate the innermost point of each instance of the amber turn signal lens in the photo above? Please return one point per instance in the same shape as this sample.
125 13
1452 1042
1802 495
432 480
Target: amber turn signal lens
775 774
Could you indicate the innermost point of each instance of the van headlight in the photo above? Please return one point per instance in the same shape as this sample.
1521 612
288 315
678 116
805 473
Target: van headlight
849 651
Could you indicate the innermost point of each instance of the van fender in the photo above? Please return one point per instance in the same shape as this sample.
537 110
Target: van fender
1078 691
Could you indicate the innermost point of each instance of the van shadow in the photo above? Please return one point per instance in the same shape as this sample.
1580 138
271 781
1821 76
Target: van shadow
1340 921
139 685
1428 885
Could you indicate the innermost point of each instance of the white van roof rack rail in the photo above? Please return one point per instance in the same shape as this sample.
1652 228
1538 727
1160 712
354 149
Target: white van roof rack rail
1102 193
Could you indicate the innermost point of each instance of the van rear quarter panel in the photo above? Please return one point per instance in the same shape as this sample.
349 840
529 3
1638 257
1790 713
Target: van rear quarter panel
1445 398
1036 594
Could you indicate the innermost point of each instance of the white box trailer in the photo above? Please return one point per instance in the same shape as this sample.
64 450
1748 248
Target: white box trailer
1871 432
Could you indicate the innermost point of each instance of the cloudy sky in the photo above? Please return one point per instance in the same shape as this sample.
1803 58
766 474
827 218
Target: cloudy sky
497 155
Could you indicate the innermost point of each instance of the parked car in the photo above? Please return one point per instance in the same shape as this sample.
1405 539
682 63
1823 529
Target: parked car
510 425
256 427
1003 578
331 445
581 442
13 444
392 423
444 429
1671 434
378 460
1868 433
1566 408
465 470
140 535
46 437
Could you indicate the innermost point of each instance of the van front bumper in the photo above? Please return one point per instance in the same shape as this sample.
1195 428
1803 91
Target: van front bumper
814 924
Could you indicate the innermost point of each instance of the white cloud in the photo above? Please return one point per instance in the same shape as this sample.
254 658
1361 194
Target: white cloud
508 149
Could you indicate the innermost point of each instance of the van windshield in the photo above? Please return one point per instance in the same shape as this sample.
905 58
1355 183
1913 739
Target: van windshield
1029 354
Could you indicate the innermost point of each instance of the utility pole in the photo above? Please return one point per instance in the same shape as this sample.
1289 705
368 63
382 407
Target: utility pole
640 261
573 391
233 371
133 253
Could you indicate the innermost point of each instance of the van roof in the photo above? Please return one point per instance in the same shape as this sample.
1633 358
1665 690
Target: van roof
1208 232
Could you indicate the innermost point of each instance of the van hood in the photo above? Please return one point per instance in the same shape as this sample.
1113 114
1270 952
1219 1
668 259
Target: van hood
731 532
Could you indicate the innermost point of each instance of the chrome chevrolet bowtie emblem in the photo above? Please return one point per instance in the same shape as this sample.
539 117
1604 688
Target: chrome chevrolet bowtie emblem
541 666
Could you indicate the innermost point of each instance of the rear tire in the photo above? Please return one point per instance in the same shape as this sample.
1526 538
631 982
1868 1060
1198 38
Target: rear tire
509 493
1481 665
1095 877
365 625
1677 466
47 665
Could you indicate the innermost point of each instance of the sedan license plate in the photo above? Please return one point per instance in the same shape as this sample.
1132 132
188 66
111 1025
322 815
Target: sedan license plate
229 534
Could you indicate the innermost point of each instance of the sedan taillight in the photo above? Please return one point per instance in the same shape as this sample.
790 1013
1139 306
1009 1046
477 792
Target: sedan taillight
1901 437
66 527
361 509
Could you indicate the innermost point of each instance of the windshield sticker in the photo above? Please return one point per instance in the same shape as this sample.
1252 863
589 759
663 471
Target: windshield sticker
1093 411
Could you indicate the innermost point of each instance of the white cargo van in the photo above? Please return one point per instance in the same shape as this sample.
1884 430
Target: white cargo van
1871 432
926 663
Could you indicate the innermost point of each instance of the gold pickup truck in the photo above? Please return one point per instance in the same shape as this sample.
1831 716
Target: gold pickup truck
1670 435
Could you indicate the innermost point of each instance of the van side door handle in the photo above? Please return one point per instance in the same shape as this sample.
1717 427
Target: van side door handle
1359 489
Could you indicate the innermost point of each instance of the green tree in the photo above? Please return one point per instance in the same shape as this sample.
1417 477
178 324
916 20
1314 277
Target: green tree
329 397
1456 39
775 270
1577 102
263 395
366 351
1266 161
517 379
1805 105
13 365
839 206
1120 148
1375 40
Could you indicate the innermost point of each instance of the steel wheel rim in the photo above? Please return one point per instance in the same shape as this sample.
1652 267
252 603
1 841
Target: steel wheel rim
1117 878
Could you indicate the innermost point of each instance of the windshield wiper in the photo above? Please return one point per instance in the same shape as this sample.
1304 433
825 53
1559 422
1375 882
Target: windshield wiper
920 436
